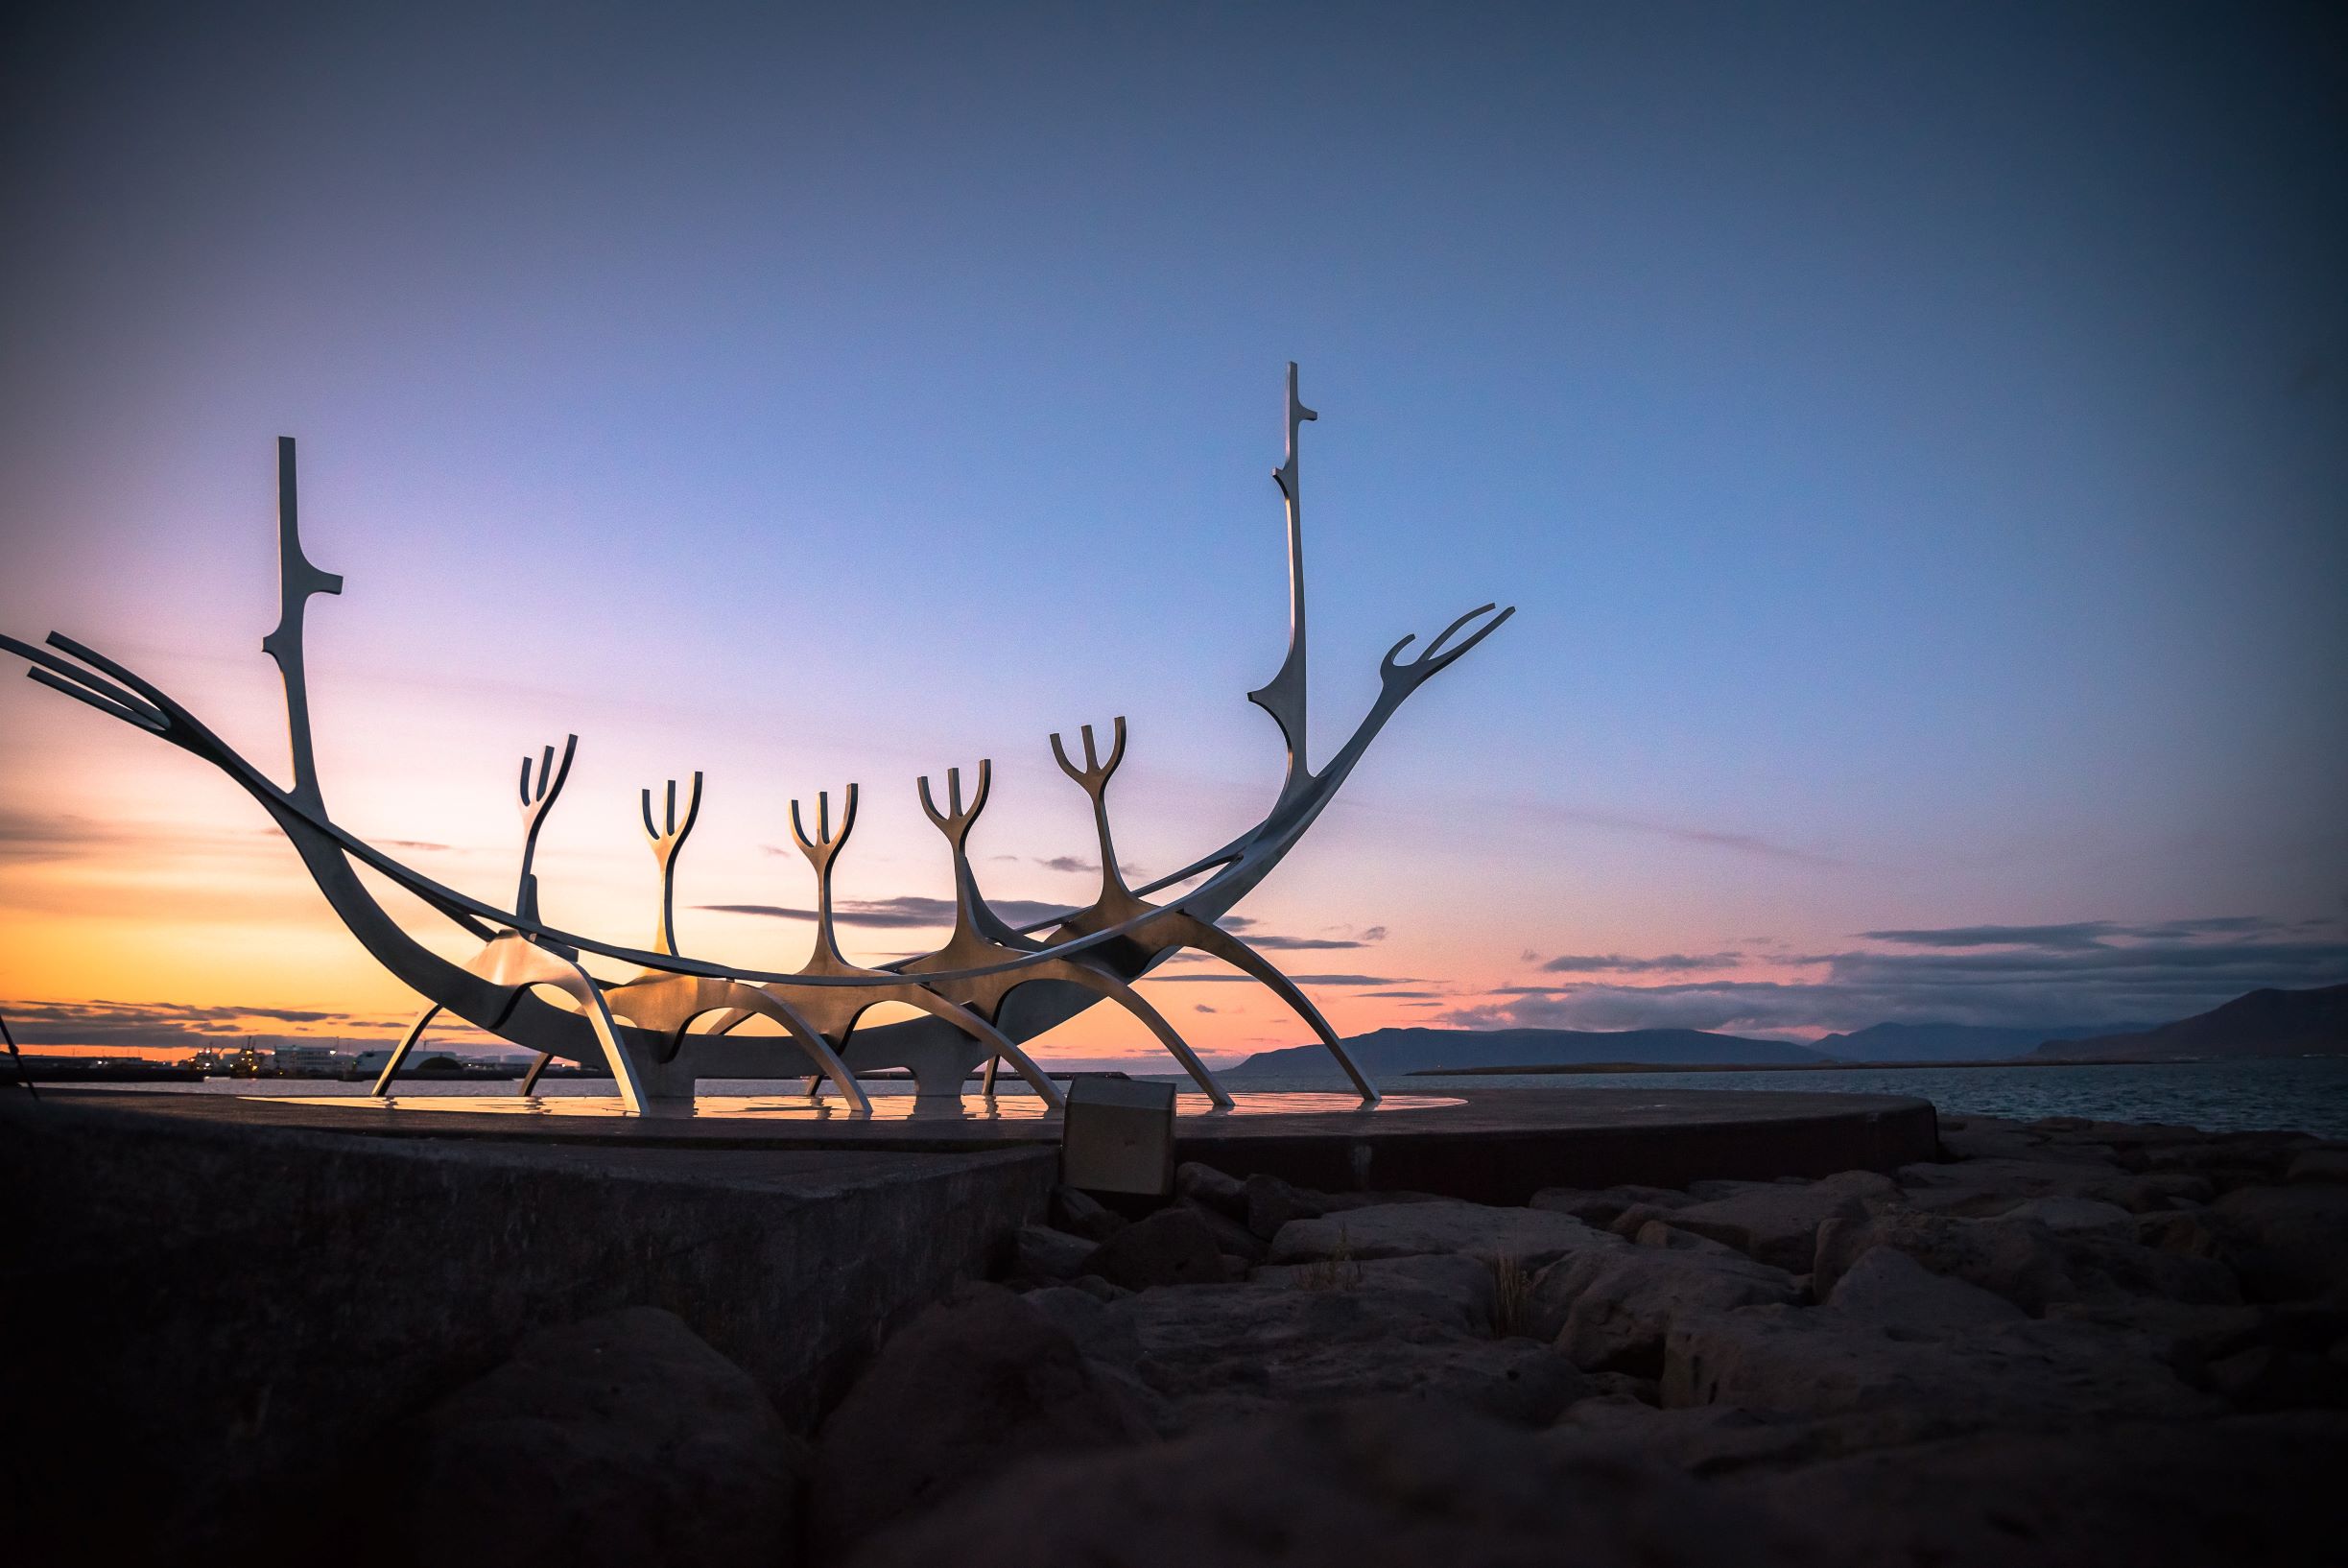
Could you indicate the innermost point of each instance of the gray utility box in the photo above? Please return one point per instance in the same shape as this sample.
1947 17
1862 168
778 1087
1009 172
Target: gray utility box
1119 1136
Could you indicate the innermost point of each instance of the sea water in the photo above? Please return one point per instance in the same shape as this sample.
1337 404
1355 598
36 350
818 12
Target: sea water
2306 1094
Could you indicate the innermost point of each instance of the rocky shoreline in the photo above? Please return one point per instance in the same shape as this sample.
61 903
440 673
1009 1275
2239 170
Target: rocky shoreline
2064 1341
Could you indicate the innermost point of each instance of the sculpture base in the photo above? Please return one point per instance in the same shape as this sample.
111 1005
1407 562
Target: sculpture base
1492 1146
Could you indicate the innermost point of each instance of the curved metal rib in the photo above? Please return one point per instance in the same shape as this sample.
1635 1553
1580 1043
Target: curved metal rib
1247 960
517 963
1096 979
999 1045
667 1005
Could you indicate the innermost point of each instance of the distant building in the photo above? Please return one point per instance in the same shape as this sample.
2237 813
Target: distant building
290 1060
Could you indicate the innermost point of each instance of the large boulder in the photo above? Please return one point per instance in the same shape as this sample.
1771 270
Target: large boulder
1531 1237
1894 1291
1637 1217
1702 1439
1173 1246
2276 1377
1777 1223
1102 1337
1987 1137
2182 1334
2248 1492
2075 1215
966 1390
2022 1376
1602 1208
620 1440
2328 1162
1220 1352
1611 1308
2160 1191
1462 1289
2232 1159
2286 1242
1080 1214
2125 1142
2015 1261
1362 1485
2022 1260
1272 1204
1231 1236
1039 1252
1981 1187
1218 1190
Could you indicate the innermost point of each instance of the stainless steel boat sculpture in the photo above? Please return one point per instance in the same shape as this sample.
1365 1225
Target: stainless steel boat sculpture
989 988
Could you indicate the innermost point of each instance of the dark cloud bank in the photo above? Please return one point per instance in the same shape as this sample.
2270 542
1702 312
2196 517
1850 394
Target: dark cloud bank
2091 973
125 1026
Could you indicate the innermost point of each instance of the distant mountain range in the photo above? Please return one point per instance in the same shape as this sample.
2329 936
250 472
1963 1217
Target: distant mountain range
1951 1042
1420 1050
2268 1023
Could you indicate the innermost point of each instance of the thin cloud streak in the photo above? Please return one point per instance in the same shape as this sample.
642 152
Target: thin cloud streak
1743 843
1615 962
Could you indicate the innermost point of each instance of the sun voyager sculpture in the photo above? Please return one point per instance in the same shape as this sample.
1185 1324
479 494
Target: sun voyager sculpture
675 1018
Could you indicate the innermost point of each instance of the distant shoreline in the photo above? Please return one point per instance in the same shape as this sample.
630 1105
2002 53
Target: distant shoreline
1804 1067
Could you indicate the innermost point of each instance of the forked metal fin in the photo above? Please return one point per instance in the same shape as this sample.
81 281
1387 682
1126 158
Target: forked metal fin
297 580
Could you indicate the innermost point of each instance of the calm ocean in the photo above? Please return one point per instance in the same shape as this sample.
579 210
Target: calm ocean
2309 1094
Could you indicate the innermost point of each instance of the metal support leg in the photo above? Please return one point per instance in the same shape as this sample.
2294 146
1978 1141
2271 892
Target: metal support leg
968 1021
399 1052
1132 1001
24 1074
1248 962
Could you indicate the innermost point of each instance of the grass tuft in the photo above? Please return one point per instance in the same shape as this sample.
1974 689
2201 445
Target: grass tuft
1337 1271
1511 1298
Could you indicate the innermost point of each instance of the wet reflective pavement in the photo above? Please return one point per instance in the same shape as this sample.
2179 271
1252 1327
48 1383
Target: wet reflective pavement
830 1109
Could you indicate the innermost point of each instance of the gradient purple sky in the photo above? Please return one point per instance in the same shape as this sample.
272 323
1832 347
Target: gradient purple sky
1917 438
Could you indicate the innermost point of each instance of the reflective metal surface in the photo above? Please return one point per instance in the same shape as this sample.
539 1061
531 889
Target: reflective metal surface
886 1108
989 988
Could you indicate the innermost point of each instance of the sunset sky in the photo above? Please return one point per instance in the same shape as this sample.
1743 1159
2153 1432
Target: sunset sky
1916 439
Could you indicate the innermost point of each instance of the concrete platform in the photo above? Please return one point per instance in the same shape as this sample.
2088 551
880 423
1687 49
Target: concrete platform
231 1312
272 1285
1494 1146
